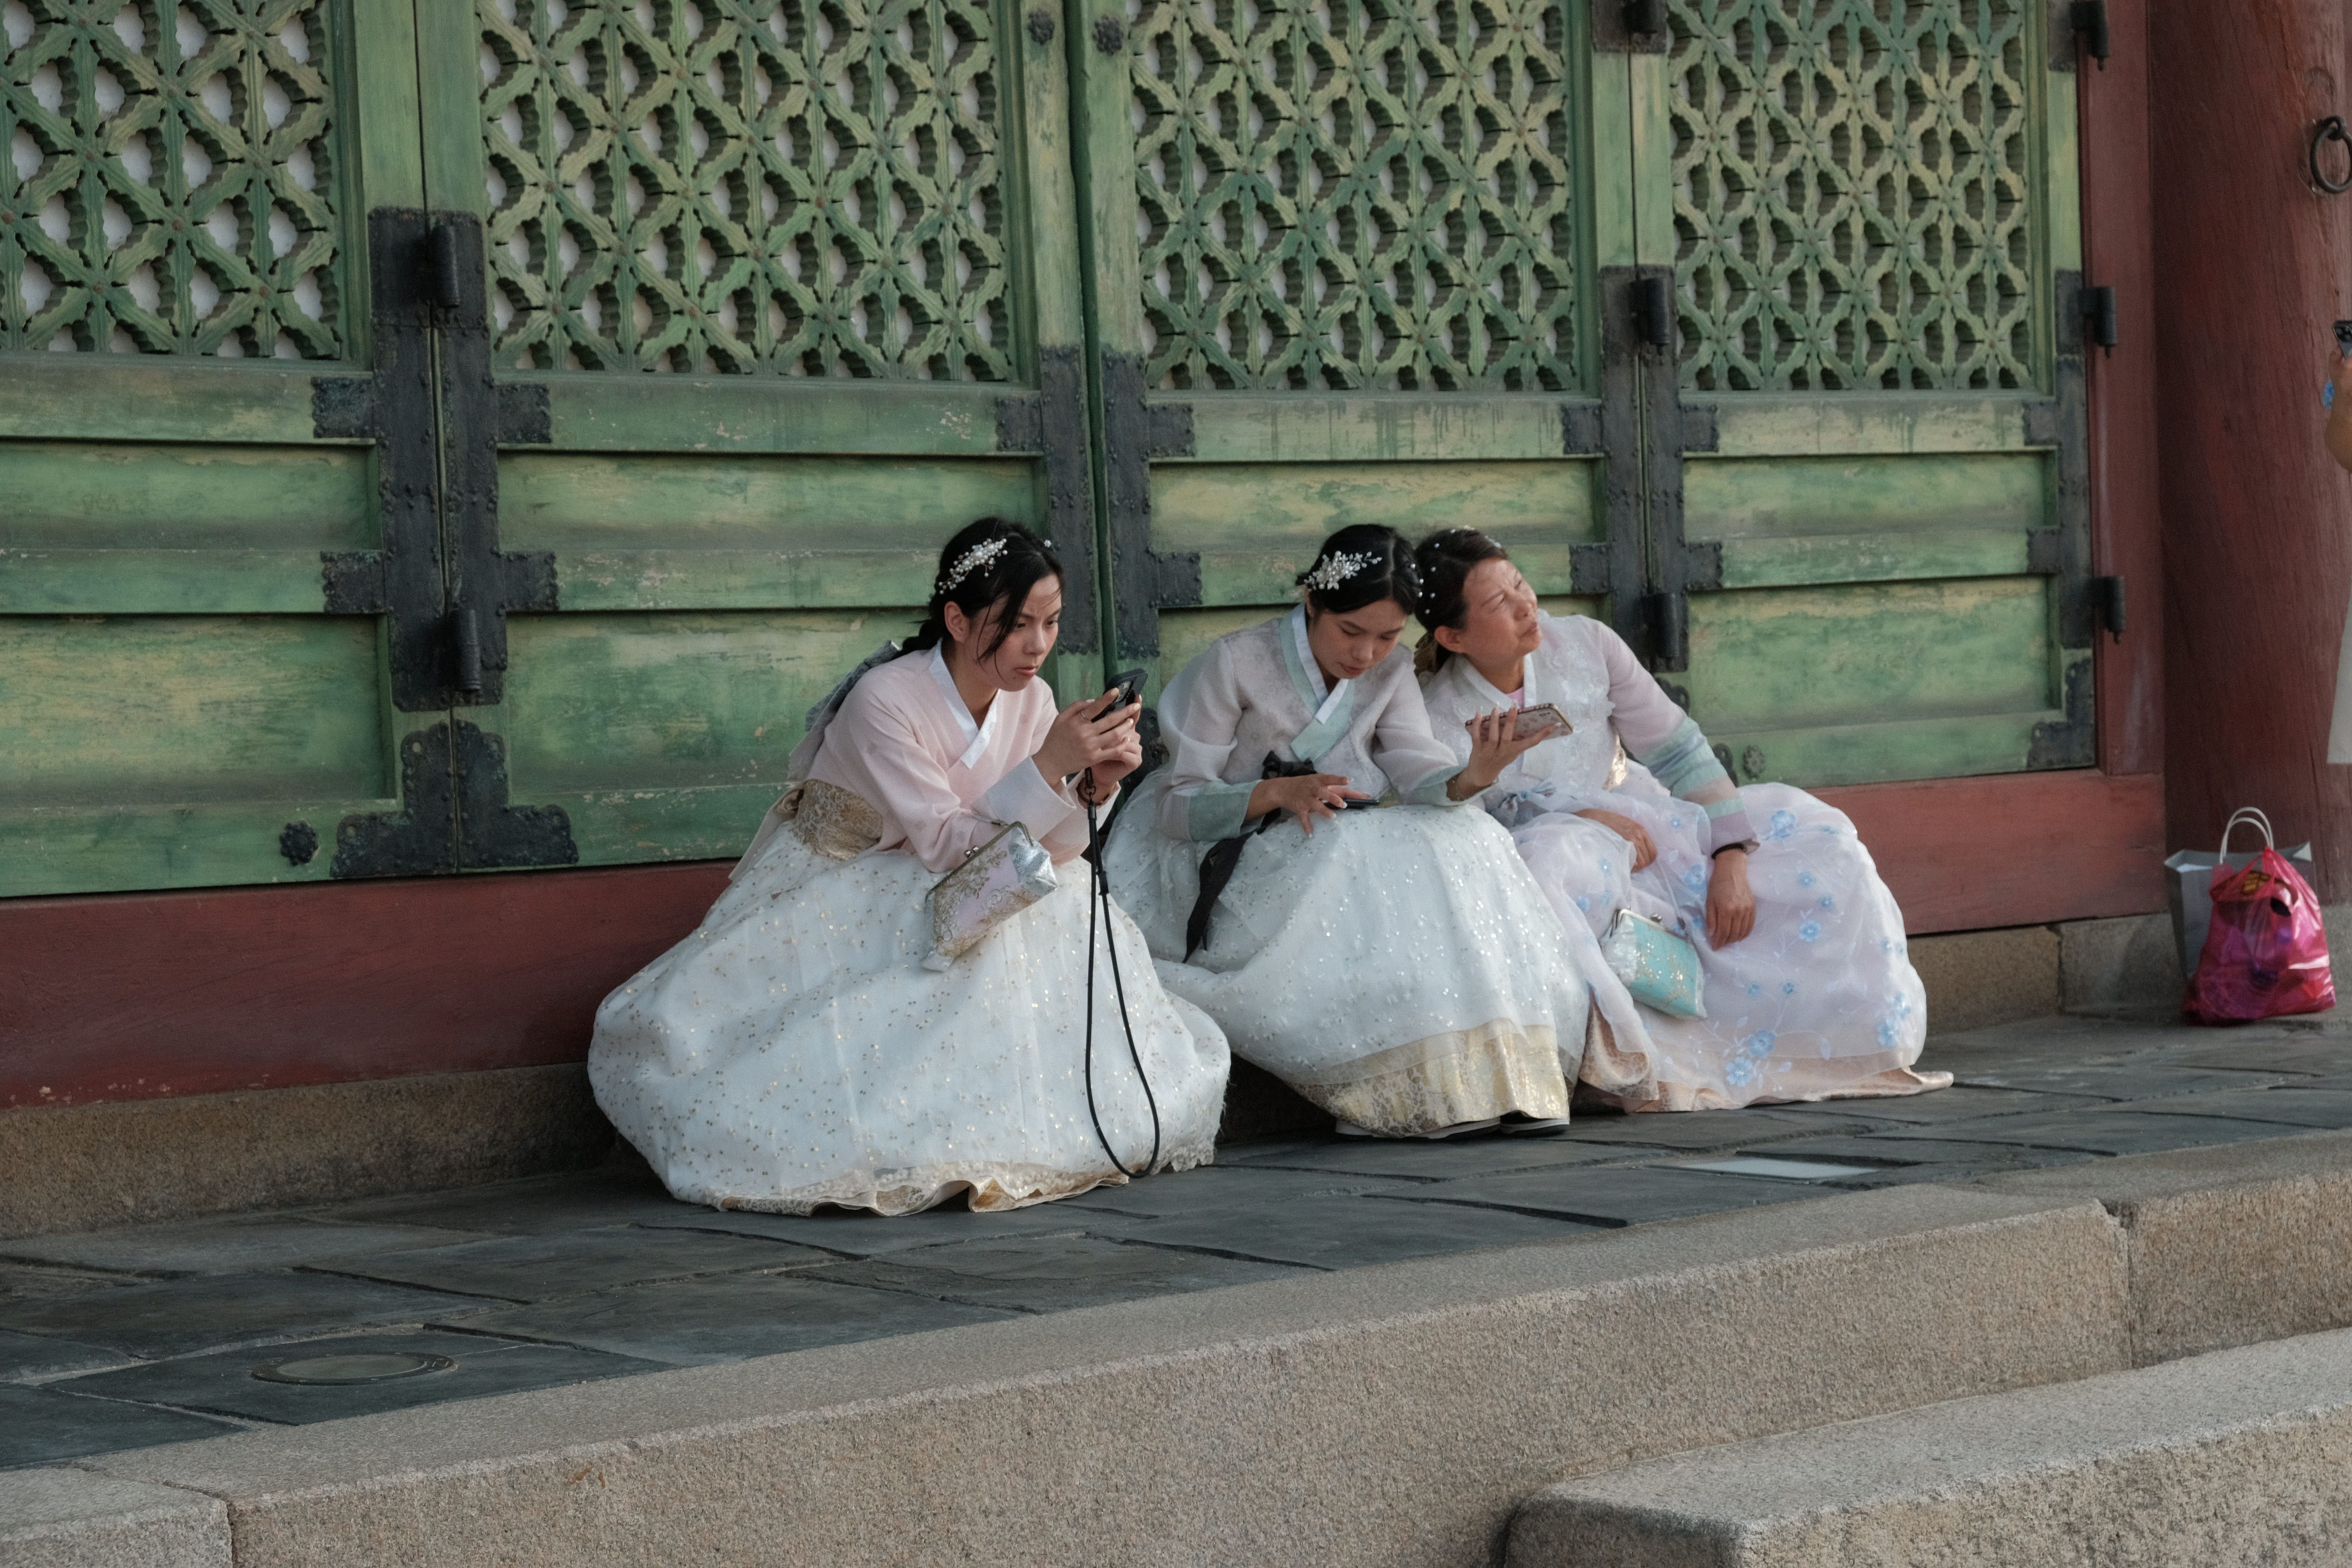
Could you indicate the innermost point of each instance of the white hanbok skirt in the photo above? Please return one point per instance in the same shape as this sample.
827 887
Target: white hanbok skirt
1397 967
794 1052
1819 1001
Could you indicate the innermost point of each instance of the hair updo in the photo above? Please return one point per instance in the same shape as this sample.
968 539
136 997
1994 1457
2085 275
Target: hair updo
1444 560
1362 565
988 563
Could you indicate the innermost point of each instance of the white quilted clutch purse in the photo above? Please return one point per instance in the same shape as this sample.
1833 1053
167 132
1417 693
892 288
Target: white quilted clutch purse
995 882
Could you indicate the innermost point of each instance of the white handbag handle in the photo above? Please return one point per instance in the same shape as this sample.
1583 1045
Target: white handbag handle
2247 813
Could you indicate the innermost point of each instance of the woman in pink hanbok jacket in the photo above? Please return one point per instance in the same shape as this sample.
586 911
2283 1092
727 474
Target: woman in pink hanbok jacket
795 1051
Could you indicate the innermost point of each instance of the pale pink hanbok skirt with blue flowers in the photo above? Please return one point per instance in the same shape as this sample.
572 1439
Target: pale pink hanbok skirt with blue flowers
1819 1001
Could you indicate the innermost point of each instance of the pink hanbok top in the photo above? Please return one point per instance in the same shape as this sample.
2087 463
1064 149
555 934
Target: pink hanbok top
905 742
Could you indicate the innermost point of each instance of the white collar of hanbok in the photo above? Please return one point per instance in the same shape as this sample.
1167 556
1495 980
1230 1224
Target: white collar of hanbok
1326 696
1488 695
977 734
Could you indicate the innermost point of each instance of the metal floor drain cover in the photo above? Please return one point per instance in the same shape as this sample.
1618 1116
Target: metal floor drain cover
381 1367
1783 1170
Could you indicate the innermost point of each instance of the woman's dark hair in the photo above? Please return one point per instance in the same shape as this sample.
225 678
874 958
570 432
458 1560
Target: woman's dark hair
1446 560
988 563
1362 565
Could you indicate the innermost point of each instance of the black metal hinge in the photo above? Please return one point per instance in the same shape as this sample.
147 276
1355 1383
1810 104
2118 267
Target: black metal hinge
1632 26
2088 20
1052 422
2099 324
2107 594
1144 582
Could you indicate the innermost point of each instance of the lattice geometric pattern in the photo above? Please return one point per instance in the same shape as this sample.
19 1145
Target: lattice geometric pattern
1853 183
780 187
1361 193
166 185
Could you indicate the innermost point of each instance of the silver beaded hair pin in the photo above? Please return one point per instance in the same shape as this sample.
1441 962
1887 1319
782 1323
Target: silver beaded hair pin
971 560
1335 569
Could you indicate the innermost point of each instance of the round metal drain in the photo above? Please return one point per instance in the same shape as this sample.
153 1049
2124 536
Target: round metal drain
345 1369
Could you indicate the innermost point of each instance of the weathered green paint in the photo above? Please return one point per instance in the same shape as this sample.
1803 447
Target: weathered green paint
130 710
1836 495
549 500
1870 653
42 581
732 415
126 397
74 848
87 495
1959 747
1834 424
1373 426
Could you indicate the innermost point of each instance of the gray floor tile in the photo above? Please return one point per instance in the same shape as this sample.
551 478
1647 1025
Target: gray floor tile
2227 1051
573 1200
1215 1188
239 1245
1413 1161
1048 1274
575 1262
1352 1232
2289 1105
224 1383
42 1426
1961 1102
727 1318
1926 1148
187 1315
2115 1081
2066 1038
2117 1130
1960 1172
21 1282
38 1355
873 1235
1611 1194
1698 1129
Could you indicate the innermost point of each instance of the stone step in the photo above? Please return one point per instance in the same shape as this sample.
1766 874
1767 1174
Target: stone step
2241 1455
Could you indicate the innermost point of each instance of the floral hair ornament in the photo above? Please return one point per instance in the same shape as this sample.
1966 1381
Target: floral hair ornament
971 560
1335 569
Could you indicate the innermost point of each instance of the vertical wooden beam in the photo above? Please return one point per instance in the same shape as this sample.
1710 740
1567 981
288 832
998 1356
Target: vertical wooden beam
2251 268
2126 542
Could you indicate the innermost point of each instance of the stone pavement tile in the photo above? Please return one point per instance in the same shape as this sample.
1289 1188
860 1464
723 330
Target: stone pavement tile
575 1262
2036 1041
1961 1102
20 1283
234 1245
872 1234
40 1355
572 1201
1698 1129
224 1383
1048 1274
2289 1105
728 1317
42 1426
1343 1232
1923 1149
186 1315
2231 1052
2115 1081
2116 1130
1211 1189
1413 1160
1612 1195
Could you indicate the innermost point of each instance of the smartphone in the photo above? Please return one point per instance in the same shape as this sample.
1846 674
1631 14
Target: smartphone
1129 684
1357 803
2343 339
1541 719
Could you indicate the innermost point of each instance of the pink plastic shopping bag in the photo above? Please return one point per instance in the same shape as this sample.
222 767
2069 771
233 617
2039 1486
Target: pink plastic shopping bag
2266 950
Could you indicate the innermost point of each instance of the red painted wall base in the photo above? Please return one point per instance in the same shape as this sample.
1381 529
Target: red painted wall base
135 995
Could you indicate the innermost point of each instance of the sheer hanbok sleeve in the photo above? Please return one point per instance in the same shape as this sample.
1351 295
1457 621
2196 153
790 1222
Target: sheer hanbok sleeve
1200 713
1667 740
884 742
1404 747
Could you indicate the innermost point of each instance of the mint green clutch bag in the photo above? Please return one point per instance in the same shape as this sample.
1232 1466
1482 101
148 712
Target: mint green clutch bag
1658 966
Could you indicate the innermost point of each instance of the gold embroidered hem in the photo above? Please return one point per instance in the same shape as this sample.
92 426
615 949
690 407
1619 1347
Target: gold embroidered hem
995 1188
1467 1075
831 820
1805 1083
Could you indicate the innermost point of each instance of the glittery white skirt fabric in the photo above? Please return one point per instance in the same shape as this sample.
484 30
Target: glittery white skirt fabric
794 1052
1397 967
1819 1001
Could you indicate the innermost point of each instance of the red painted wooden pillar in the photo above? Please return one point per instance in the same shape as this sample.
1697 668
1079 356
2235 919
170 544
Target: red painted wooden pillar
2251 268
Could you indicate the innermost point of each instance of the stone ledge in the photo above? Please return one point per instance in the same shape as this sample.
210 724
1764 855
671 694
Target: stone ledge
2243 1456
1387 1415
2228 1245
84 1167
72 1518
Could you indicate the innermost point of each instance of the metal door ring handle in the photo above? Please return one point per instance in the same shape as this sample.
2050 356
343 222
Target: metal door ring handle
2330 130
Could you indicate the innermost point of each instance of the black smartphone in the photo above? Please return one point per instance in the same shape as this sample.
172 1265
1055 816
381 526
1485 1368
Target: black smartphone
1358 802
1129 684
2343 339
